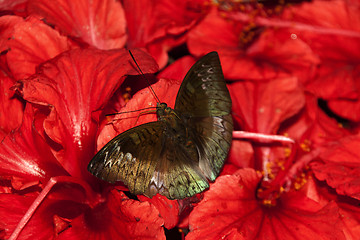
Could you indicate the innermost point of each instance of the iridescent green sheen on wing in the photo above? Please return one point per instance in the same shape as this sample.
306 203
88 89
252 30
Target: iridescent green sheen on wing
203 93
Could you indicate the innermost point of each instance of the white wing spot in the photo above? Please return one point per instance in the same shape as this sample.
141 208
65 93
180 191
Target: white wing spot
118 160
128 157
109 163
157 180
106 156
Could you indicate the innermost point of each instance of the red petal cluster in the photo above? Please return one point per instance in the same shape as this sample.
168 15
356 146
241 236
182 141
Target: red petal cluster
298 217
293 75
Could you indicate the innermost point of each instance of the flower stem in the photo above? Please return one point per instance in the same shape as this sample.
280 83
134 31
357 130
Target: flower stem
91 199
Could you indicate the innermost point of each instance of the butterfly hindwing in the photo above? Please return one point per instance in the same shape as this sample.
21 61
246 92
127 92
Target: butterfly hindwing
213 138
150 161
130 157
177 174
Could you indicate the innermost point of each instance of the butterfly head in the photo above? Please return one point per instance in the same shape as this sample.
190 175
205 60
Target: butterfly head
165 113
162 109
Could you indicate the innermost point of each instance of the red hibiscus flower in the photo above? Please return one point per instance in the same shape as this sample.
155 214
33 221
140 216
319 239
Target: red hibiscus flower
334 36
292 171
25 48
154 26
251 52
97 23
235 213
339 166
256 108
54 145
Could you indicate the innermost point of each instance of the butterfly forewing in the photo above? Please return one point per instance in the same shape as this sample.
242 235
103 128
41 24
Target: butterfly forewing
203 93
186 146
205 103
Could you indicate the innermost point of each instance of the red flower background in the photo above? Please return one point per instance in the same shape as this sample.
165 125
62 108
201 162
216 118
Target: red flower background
292 70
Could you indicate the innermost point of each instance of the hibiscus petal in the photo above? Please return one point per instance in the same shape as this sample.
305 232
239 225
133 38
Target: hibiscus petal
13 5
157 18
7 24
168 209
312 127
340 166
178 69
348 109
77 83
98 23
14 206
334 32
350 215
25 154
241 154
11 109
262 106
244 55
335 80
228 169
153 24
120 218
334 36
30 43
231 204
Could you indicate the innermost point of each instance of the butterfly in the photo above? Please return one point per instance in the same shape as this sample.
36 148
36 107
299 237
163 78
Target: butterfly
177 155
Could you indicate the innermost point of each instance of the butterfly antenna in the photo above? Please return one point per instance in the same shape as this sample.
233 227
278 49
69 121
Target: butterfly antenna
112 114
152 90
